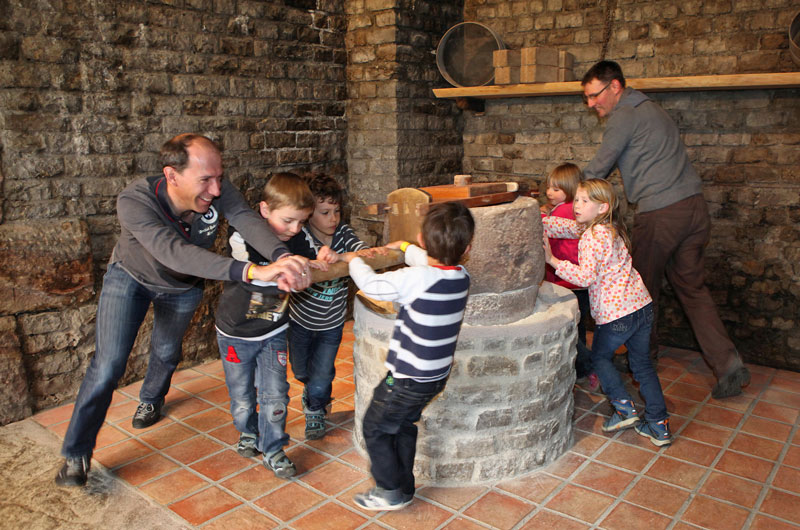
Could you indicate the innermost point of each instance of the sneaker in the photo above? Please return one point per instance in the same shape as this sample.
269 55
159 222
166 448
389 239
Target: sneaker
658 432
280 464
147 414
624 416
74 472
247 445
731 385
594 382
315 424
379 500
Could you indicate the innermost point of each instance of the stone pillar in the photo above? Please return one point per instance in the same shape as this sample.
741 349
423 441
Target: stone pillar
399 134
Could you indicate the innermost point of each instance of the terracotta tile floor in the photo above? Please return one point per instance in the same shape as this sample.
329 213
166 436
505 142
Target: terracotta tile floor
735 463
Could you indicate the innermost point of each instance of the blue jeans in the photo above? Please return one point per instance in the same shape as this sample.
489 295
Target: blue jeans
255 373
634 332
313 354
390 433
120 312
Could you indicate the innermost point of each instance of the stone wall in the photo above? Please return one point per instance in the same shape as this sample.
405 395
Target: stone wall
398 134
88 93
745 143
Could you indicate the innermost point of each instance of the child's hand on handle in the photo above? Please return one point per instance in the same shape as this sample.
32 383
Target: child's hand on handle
327 256
548 254
372 252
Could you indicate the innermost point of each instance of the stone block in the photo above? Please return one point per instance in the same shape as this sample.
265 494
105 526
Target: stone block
566 74
455 472
539 56
44 265
492 366
493 418
505 58
506 75
538 74
15 400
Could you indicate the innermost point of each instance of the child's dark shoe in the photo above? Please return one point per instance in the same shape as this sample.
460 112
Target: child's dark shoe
247 445
315 424
658 432
280 464
625 416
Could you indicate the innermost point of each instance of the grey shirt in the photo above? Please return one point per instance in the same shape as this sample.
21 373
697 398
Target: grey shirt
165 254
642 140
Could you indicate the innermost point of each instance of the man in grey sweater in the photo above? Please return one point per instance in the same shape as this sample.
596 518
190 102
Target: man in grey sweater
671 226
168 224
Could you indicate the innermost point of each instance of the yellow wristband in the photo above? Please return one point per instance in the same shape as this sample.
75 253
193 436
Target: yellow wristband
250 272
404 245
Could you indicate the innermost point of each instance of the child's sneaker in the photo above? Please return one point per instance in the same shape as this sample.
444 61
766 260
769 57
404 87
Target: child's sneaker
624 416
280 464
379 500
247 445
594 382
315 419
658 432
315 424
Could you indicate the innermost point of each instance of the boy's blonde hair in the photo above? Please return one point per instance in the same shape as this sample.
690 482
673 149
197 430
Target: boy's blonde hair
566 177
287 189
601 191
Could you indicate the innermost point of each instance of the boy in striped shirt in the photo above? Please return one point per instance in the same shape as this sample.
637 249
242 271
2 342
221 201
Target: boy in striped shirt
432 292
317 313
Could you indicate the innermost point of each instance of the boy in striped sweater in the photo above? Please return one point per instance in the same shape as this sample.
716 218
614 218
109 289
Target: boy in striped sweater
432 293
317 313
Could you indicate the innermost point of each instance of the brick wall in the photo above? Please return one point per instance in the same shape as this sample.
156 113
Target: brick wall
398 134
88 93
745 144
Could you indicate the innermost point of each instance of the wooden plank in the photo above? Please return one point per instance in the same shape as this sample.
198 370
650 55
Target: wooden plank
452 191
651 84
340 269
474 202
403 217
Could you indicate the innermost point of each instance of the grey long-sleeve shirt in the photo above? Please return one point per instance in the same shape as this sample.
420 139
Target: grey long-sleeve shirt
642 140
162 253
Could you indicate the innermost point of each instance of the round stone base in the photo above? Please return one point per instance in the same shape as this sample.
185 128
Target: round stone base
507 407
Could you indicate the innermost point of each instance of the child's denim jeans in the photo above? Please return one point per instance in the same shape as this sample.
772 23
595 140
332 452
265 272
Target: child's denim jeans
633 331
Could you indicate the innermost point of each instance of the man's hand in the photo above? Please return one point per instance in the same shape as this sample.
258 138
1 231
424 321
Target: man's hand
291 273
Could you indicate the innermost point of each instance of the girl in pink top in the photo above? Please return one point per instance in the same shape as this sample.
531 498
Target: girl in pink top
621 306
562 183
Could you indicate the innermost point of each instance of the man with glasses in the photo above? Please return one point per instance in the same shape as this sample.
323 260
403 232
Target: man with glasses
671 226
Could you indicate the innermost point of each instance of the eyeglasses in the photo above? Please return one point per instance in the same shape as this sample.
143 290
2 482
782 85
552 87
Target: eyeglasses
596 94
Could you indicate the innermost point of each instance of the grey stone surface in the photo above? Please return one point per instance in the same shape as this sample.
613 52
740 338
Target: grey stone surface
29 462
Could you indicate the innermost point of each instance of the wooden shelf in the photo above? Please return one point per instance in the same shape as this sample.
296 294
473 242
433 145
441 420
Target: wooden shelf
652 84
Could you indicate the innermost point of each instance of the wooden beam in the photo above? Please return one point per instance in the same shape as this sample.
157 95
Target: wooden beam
340 269
650 84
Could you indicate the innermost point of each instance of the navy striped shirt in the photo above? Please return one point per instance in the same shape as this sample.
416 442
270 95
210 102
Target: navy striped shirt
322 305
433 300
